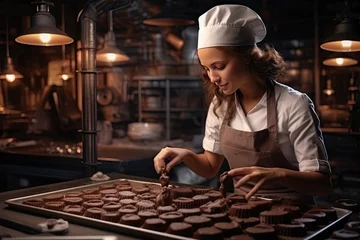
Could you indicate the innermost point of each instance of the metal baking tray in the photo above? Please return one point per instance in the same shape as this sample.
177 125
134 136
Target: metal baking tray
64 238
16 203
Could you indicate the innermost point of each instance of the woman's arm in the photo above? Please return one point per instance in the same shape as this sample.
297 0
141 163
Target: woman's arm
311 183
205 165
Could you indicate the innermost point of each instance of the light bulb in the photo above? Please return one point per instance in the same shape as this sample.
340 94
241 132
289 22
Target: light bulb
64 77
45 37
10 77
339 61
111 57
346 43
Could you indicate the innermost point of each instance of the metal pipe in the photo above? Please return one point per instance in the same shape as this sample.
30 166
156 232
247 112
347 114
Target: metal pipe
88 17
89 80
316 56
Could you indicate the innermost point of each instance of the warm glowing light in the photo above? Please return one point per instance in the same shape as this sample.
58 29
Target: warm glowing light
111 57
339 61
45 37
346 43
64 77
10 77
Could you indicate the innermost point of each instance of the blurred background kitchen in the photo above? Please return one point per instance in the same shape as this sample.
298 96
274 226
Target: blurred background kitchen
148 91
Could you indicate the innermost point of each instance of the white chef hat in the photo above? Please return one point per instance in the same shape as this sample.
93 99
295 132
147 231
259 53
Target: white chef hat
230 25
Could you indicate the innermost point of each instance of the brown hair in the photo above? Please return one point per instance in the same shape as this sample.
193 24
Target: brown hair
266 63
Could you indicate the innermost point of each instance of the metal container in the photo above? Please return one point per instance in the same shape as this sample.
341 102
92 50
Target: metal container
17 204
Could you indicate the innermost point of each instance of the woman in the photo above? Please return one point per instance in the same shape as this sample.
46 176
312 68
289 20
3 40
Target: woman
268 132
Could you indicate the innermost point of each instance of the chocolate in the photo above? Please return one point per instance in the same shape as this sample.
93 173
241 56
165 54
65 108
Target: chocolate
217 217
73 194
145 204
73 200
111 206
128 201
55 205
171 217
184 202
353 226
261 231
107 186
74 209
291 230
108 191
52 198
164 209
146 214
180 229
110 198
309 223
156 224
214 207
274 216
110 216
190 211
94 212
228 228
223 178
345 234
164 180
208 233
93 203
198 221
131 219
246 222
214 195
127 209
164 198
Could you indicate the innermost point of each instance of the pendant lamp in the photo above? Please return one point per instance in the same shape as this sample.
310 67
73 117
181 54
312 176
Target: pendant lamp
64 74
346 37
110 53
43 31
328 90
9 73
340 60
170 16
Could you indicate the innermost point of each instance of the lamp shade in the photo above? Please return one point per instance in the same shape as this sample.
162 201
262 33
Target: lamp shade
9 73
346 37
169 19
340 60
173 14
110 53
43 31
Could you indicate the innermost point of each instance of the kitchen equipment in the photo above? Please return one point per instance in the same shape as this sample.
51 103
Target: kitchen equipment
105 132
145 131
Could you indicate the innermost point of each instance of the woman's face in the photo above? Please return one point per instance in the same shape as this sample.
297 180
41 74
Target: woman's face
226 70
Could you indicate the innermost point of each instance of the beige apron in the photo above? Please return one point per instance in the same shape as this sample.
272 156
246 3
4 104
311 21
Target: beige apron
261 148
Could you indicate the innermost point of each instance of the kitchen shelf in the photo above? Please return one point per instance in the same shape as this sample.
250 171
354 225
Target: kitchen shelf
173 109
167 83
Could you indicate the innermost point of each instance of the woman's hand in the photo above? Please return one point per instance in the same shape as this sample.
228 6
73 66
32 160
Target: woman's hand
171 155
259 175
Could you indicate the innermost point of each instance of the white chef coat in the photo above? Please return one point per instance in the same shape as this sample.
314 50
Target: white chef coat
299 135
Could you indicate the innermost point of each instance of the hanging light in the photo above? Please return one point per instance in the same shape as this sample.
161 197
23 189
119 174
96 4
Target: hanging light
340 60
43 31
328 90
346 36
64 73
110 53
9 73
170 16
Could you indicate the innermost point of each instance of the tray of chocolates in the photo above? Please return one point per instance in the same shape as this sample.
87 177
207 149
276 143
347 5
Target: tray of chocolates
162 211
